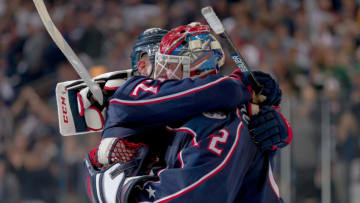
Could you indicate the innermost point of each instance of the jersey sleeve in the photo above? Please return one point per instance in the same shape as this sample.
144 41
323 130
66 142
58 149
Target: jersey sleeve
259 184
207 170
145 102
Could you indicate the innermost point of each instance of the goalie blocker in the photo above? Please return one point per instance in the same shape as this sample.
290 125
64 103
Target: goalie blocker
78 113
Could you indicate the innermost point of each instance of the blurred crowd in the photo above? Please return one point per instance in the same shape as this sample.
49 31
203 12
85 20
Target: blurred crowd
312 47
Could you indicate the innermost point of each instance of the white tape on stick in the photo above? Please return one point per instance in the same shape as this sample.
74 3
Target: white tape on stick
212 20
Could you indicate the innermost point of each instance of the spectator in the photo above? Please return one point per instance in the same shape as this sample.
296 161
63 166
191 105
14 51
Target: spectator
311 47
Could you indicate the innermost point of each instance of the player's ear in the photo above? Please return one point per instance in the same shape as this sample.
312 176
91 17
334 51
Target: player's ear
141 67
144 65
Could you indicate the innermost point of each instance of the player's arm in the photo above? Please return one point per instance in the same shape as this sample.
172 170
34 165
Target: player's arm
259 184
144 101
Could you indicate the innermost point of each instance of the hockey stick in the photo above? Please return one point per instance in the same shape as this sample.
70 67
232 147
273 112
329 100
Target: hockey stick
67 51
216 25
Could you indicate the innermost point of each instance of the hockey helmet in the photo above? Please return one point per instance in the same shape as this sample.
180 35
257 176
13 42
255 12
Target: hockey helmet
146 43
188 51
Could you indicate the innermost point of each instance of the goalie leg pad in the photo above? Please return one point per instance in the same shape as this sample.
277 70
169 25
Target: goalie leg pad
115 183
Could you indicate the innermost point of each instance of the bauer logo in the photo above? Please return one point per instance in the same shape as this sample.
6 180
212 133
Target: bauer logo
64 110
239 62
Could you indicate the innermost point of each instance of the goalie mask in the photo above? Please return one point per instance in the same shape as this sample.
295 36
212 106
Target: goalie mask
188 51
147 43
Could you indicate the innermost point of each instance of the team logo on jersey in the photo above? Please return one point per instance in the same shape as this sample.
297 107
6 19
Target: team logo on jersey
151 192
215 115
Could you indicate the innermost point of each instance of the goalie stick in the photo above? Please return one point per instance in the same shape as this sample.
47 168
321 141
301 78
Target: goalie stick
216 25
67 51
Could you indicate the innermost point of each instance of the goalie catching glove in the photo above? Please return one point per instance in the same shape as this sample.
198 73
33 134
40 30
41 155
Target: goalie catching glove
78 111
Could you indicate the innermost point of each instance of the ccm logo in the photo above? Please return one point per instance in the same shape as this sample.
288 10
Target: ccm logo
64 110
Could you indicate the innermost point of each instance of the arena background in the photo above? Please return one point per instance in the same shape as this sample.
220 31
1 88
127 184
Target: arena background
310 46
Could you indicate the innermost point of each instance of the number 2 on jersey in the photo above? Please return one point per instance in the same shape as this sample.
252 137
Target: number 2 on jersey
218 139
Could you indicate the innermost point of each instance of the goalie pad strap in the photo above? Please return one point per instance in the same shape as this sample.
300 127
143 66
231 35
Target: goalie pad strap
113 85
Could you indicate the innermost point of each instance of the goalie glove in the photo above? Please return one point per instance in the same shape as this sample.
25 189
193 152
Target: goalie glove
117 183
113 150
78 112
109 82
269 129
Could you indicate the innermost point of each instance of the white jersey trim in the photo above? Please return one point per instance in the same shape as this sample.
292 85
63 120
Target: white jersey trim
168 97
273 183
187 130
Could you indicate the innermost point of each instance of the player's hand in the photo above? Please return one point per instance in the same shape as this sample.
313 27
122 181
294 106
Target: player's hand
269 129
109 83
257 98
271 93
92 111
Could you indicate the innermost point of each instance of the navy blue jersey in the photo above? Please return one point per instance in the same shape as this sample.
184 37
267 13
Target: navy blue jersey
259 184
142 104
212 159
211 155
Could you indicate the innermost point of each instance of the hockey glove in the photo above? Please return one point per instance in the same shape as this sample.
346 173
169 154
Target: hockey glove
109 82
113 150
271 89
269 129
77 111
117 183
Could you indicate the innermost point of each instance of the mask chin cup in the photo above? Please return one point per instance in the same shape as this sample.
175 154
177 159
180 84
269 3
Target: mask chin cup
161 60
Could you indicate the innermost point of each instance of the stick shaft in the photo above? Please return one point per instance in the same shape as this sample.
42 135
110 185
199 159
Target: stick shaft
241 63
67 51
218 28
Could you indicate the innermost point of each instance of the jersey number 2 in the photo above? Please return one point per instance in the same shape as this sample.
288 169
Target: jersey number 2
216 139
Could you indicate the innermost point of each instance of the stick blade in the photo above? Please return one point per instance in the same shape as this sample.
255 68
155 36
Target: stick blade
212 20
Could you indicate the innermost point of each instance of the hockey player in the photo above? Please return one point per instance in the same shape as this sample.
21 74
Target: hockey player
211 152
